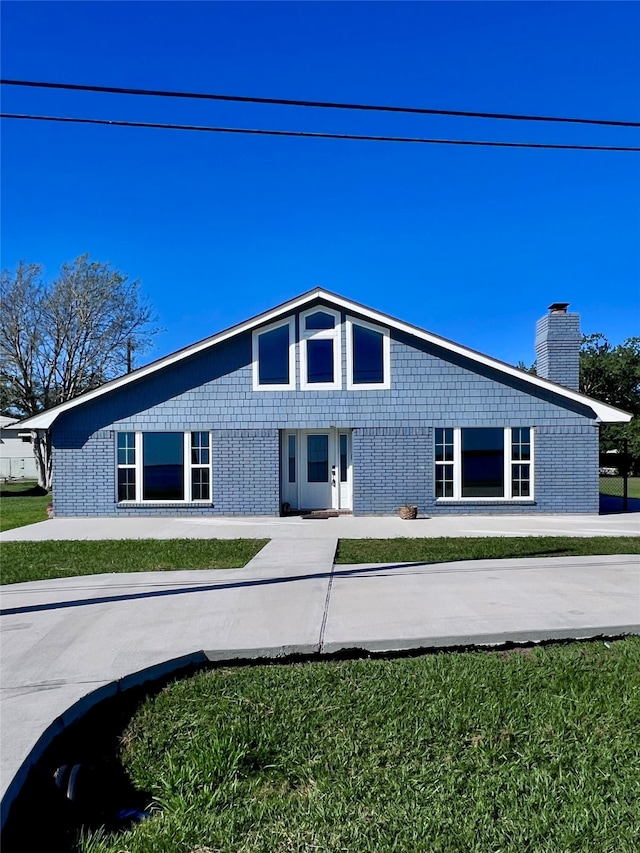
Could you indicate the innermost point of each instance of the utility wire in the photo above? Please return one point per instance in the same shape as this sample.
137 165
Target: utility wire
353 136
121 90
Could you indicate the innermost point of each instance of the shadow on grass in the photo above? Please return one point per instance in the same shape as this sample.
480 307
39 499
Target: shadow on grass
30 492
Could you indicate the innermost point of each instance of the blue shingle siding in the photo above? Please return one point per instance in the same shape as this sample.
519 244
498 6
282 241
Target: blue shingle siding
392 439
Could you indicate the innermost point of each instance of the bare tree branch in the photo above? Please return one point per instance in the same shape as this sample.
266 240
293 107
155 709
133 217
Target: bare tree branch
65 337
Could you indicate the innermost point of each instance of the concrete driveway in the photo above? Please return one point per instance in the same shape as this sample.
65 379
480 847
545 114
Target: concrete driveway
69 642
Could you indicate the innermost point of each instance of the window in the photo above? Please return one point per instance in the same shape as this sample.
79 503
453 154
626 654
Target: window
291 455
368 356
318 458
483 463
126 466
482 455
155 467
444 463
521 462
320 350
344 460
274 357
200 467
162 466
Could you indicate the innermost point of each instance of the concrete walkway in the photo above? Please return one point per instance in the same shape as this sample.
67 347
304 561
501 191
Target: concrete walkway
68 643
345 527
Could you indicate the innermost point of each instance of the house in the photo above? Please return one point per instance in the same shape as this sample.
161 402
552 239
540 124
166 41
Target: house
17 461
324 403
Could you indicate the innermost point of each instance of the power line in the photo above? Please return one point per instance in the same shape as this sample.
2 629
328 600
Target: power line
352 136
121 90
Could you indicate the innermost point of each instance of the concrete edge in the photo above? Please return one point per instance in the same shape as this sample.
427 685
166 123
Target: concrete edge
257 655
471 641
80 708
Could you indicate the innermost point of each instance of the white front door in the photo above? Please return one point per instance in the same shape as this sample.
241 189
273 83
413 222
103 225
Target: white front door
316 470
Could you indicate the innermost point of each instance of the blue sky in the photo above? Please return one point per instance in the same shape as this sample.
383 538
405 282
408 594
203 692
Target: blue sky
470 243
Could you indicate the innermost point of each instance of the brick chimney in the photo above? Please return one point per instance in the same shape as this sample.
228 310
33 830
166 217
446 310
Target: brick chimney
558 340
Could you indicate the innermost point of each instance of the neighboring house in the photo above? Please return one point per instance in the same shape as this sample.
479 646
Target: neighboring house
324 403
16 452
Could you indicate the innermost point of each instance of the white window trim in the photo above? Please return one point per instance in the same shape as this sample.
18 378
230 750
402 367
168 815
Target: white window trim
386 356
187 468
334 335
508 462
291 385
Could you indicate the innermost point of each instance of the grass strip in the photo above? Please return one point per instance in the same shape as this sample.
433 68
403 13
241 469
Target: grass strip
535 749
32 561
445 549
19 507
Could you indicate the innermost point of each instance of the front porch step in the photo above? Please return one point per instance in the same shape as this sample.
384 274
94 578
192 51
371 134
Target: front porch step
331 513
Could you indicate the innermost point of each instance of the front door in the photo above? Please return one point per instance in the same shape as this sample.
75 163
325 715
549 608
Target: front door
316 470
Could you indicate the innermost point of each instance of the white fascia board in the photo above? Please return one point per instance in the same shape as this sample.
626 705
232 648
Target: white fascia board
603 412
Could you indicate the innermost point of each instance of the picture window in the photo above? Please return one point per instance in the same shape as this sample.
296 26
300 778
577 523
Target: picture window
483 463
156 467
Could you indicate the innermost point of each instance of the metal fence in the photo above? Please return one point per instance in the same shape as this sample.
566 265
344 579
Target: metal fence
615 467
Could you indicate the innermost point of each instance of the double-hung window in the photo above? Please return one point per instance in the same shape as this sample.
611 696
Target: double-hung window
368 356
156 467
486 463
274 357
126 466
320 350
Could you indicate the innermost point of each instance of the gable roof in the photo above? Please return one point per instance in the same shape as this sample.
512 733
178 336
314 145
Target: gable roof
603 411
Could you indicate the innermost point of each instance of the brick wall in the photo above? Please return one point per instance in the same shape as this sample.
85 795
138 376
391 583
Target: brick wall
558 340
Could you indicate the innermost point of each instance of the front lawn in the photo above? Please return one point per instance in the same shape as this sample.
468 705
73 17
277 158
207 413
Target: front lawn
32 561
530 750
22 503
444 549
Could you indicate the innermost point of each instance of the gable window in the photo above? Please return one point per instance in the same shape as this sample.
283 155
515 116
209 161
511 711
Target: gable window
274 357
155 467
483 463
368 356
320 350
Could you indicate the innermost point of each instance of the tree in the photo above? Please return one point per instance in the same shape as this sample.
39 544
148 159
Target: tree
612 374
61 338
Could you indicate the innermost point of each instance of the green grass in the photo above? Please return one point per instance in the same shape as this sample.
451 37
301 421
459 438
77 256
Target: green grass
613 486
20 504
533 750
31 561
441 550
